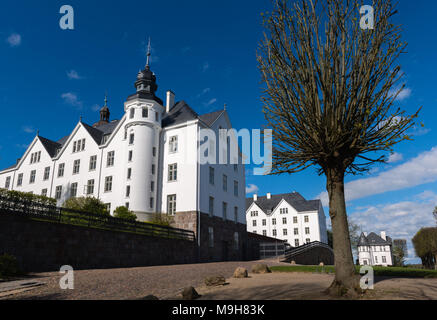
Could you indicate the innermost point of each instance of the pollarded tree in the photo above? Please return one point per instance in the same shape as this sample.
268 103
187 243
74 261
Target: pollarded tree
330 94
425 245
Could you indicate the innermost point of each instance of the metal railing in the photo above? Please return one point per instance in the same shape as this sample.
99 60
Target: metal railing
290 253
44 212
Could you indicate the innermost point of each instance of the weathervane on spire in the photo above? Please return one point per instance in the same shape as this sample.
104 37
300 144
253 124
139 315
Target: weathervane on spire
149 48
106 98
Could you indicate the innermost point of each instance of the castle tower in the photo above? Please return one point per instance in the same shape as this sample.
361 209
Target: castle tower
144 112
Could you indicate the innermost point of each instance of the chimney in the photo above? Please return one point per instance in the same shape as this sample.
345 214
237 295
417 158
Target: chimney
269 195
170 100
384 235
255 197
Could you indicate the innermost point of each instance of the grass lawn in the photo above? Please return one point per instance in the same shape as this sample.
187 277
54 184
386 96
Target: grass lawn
378 271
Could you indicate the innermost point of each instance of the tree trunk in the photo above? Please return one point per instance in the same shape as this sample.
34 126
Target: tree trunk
345 282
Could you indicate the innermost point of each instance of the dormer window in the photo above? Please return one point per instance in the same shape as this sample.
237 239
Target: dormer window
35 157
78 145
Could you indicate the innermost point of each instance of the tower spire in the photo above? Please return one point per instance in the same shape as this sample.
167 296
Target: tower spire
149 49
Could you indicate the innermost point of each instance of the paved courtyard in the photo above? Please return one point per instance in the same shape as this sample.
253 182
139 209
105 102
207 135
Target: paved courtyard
166 282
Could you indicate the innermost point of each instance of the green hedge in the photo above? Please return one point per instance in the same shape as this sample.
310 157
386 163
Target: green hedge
17 197
8 266
402 272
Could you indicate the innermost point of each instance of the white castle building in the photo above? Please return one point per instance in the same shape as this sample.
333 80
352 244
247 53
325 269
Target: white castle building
146 161
288 217
374 250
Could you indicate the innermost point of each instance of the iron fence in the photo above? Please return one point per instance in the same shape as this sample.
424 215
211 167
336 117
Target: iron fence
43 212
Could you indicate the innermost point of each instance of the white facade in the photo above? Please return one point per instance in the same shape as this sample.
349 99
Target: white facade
374 250
146 161
279 216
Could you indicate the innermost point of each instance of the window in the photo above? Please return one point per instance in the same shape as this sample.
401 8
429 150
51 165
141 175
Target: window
152 186
235 167
78 145
211 206
236 241
46 173
8 182
172 172
274 221
296 231
211 175
308 240
132 113
296 242
61 168
236 188
35 157
73 190
171 204
254 223
32 176
44 192
93 163
384 259
131 138
283 210
156 116
173 144
90 187
284 220
254 213
264 232
307 230
108 207
125 134
294 219
154 151
225 210
236 214
76 166
376 259
145 112
58 192
225 182
264 222
130 156
153 169
151 202
274 232
306 219
284 232
127 205
129 173
211 237
127 191
20 180
110 159
108 184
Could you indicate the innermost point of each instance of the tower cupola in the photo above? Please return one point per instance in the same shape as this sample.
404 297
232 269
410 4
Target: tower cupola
104 114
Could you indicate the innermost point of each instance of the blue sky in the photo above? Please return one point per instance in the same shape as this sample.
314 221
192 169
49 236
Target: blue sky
205 51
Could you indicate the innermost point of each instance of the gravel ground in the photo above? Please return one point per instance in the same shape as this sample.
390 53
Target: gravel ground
165 282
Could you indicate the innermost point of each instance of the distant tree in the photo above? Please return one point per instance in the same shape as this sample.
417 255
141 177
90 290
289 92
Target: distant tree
330 91
87 204
330 241
398 256
425 245
124 213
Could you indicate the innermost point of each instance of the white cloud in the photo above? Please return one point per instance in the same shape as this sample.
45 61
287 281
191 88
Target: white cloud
395 157
73 75
400 220
404 94
210 102
72 99
417 171
204 91
251 188
205 66
14 40
28 129
95 107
